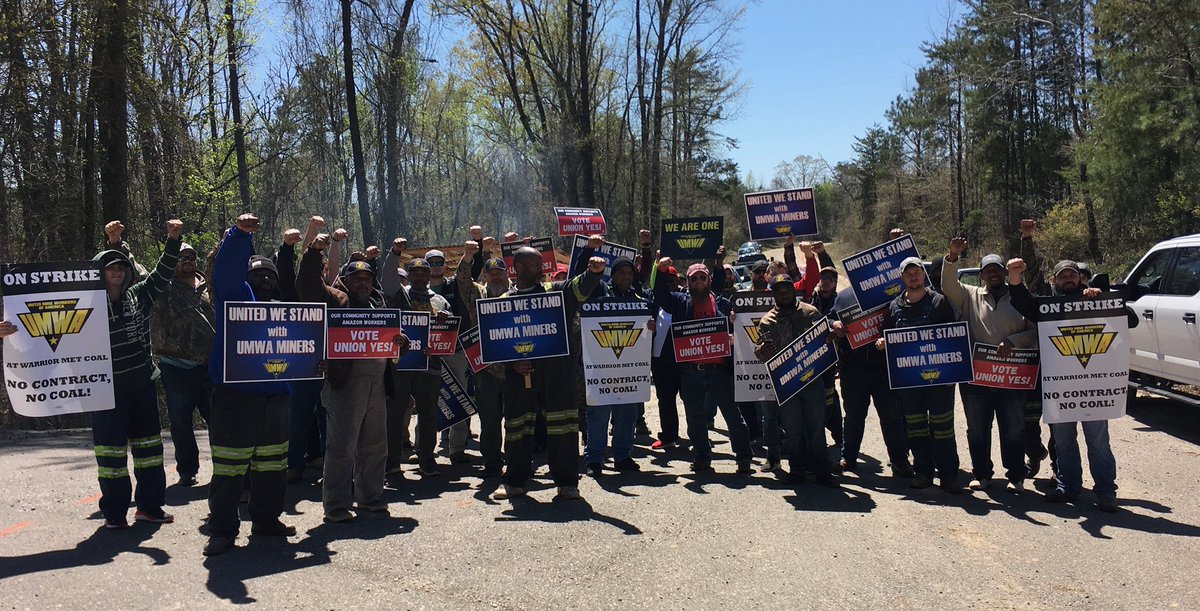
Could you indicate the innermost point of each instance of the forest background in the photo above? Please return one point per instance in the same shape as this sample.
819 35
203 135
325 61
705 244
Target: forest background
1082 113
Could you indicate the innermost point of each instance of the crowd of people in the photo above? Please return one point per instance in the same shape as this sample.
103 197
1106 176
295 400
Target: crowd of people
355 423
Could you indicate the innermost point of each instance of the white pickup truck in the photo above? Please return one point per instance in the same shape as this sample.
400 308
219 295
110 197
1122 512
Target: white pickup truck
1164 291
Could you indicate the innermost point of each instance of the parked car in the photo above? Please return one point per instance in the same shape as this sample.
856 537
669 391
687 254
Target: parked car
743 277
1164 290
969 276
749 253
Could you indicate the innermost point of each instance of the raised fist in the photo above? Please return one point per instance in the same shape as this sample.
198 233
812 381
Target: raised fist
470 247
291 237
721 252
806 247
476 232
512 236
247 222
340 235
174 229
316 222
489 244
1028 226
644 237
398 246
664 264
958 246
322 241
896 232
113 231
372 253
596 265
818 247
595 241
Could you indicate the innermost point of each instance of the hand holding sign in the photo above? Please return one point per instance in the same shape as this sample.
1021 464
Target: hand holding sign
7 328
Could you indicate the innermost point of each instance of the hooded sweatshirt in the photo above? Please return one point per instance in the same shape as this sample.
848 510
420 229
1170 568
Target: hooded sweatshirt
129 317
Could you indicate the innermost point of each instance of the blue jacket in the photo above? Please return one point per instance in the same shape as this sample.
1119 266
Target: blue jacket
229 284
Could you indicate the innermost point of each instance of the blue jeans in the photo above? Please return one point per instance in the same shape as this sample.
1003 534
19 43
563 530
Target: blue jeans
187 391
804 419
303 407
703 391
771 428
1100 458
1008 407
624 418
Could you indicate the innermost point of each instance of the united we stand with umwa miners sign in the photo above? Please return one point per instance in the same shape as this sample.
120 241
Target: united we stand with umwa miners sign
521 327
802 362
779 214
616 351
59 361
875 274
607 251
751 382
1085 357
454 405
931 355
267 341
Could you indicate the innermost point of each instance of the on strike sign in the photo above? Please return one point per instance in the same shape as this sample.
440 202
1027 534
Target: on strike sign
700 340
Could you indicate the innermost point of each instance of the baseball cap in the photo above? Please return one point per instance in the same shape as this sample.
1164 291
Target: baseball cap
759 266
561 268
674 272
696 268
778 279
403 273
1065 264
494 263
417 263
185 246
1084 269
829 270
991 260
354 267
912 261
434 254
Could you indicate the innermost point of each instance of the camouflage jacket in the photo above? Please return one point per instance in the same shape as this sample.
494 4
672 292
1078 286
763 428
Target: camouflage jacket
181 323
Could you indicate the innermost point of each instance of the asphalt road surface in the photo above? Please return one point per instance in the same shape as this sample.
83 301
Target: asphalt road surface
663 538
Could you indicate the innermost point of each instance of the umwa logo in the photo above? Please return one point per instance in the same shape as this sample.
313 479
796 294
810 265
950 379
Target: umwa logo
1083 341
893 290
931 375
276 367
524 348
617 336
53 319
752 329
783 229
690 242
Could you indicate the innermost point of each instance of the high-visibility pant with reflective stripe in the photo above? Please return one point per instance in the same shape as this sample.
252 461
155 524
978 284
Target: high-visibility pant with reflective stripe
929 421
249 438
553 393
131 428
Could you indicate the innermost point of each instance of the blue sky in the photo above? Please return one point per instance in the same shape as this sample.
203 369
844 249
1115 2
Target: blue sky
820 73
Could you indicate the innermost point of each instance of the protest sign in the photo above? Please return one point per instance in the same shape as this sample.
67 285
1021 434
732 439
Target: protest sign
574 221
692 238
700 340
416 327
469 342
443 336
59 361
616 351
1017 371
875 274
454 405
1085 357
268 341
522 327
932 355
751 382
862 328
607 251
545 246
802 362
362 333
779 214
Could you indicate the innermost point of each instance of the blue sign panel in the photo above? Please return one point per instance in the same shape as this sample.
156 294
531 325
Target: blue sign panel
267 341
802 362
416 326
608 251
522 327
875 274
933 355
454 405
773 215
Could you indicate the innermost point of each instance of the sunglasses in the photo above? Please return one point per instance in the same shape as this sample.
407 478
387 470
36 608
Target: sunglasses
183 258
436 263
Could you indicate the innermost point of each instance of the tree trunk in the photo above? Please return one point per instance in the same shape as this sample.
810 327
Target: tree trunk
235 102
360 166
112 100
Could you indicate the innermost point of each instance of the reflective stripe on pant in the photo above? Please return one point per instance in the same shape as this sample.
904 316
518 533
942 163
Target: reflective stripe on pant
929 420
249 438
133 424
553 386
